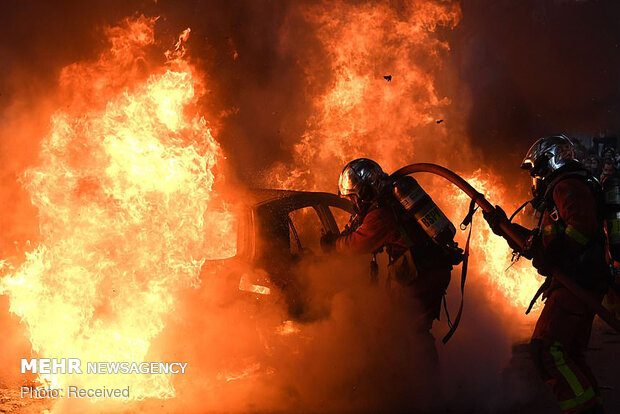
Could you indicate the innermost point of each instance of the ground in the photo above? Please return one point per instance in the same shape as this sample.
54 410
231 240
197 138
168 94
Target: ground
602 356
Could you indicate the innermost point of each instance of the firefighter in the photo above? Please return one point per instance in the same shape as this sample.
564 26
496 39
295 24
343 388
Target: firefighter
416 263
569 239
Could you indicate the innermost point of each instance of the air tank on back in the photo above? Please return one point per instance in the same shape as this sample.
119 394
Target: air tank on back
611 190
421 207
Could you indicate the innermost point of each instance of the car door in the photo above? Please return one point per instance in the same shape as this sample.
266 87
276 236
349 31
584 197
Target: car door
336 212
290 231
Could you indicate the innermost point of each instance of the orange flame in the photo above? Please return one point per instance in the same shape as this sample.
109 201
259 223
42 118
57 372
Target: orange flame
510 284
360 113
382 102
124 190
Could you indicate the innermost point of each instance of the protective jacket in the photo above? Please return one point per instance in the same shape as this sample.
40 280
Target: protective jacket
571 242
572 238
379 228
428 269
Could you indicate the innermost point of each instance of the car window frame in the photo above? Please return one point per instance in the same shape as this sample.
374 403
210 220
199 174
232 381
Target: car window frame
319 201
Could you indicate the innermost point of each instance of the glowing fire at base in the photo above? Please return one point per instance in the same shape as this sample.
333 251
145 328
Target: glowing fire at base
124 193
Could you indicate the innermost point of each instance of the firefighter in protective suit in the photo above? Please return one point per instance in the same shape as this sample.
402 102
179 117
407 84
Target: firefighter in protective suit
569 239
416 263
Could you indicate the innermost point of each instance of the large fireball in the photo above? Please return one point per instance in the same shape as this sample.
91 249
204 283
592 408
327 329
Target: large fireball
124 190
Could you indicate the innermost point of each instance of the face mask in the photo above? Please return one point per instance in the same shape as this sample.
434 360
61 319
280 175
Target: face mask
538 191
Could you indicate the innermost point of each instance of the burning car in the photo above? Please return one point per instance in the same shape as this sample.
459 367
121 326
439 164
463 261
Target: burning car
276 229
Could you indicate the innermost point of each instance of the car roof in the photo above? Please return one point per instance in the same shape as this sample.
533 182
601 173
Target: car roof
262 196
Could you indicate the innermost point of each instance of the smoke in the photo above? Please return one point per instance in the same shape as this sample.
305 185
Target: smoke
327 364
358 350
537 67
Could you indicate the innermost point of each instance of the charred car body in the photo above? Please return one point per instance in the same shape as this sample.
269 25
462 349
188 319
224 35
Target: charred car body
275 230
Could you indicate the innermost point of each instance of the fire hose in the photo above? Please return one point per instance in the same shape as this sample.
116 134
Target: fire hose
511 234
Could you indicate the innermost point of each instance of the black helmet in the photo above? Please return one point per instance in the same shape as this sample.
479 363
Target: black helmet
361 181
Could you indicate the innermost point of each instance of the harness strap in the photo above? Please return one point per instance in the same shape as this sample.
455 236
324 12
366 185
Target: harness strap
453 325
445 308
470 214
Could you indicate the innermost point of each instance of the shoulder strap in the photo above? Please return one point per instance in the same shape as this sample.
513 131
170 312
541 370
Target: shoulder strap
457 320
467 221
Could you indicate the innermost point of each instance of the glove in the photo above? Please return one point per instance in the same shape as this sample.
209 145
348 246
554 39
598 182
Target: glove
328 241
494 218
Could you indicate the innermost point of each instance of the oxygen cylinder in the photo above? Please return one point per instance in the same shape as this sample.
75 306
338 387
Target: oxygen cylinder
421 207
611 191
